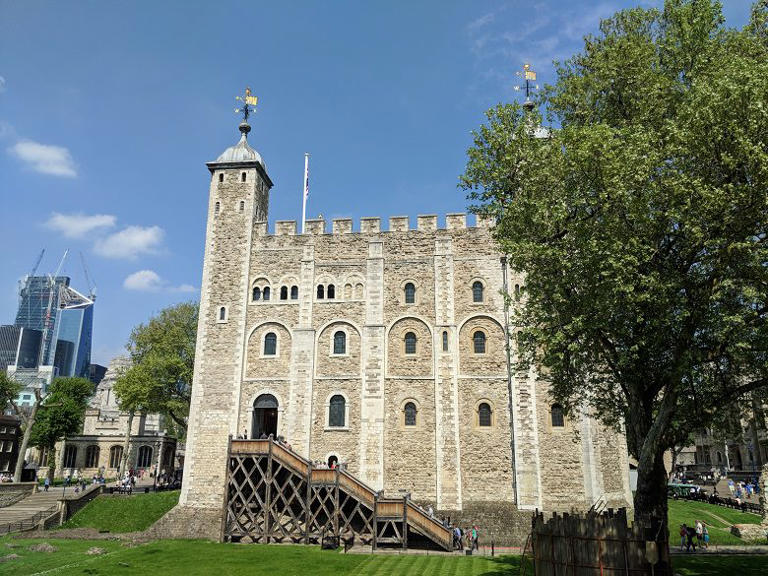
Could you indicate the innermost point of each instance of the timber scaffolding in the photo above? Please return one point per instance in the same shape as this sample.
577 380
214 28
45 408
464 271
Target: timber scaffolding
275 495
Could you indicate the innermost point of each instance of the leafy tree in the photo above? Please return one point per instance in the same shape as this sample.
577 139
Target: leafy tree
9 391
135 388
61 414
163 355
641 224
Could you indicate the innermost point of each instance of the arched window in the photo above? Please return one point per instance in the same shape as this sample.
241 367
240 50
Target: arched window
409 414
478 342
445 340
216 208
320 292
242 205
331 291
347 291
410 293
477 291
558 419
115 455
336 411
333 461
484 414
410 343
145 457
223 313
284 293
340 343
270 344
221 177
70 456
92 456
265 293
256 293
294 292
358 291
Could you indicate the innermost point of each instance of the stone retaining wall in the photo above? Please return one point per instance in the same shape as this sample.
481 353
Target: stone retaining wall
13 492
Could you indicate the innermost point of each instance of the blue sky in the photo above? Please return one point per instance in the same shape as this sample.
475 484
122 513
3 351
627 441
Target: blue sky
109 111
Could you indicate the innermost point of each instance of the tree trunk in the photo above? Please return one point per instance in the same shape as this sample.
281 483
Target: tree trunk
25 439
126 447
651 494
51 462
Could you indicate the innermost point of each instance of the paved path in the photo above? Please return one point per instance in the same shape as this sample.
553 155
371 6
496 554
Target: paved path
37 502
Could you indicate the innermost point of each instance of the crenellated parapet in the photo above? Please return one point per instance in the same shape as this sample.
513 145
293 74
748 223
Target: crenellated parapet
369 225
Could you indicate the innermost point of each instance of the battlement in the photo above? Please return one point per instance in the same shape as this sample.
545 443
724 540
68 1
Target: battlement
424 223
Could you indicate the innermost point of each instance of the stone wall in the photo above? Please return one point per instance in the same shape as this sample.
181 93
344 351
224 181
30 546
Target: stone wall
10 493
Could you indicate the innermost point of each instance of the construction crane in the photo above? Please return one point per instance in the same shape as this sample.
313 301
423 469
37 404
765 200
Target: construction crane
44 352
91 285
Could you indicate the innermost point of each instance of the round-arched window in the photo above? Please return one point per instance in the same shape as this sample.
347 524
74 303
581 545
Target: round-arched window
339 343
410 343
484 414
270 344
410 412
410 293
477 291
336 411
478 342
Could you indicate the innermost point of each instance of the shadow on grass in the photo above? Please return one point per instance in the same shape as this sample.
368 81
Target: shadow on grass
507 566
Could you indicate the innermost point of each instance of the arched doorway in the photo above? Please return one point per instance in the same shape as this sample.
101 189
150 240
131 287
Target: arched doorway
264 417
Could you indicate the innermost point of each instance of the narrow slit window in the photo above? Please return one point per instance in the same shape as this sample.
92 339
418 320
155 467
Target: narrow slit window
265 293
216 208
410 414
331 291
445 341
410 293
477 292
320 292
222 313
242 205
410 343
270 344
340 343
256 294
242 177
484 414
221 177
294 292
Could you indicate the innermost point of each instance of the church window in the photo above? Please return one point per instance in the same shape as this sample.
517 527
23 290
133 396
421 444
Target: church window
221 177
70 456
294 292
477 291
558 418
340 343
410 343
445 340
216 208
270 344
484 414
410 293
478 342
320 291
256 293
242 177
336 411
92 456
409 414
223 314
115 455
284 293
265 293
331 291
145 457
242 205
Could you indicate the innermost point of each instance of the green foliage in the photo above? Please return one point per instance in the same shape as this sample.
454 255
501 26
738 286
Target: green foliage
9 390
163 355
62 411
124 513
641 224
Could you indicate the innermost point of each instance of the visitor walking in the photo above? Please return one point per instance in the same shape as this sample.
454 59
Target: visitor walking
690 535
705 531
46 484
475 539
699 532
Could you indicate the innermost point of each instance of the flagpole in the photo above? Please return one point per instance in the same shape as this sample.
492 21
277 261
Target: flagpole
305 192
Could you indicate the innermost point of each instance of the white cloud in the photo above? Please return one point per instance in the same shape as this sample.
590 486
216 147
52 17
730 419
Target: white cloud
2 84
143 281
78 225
130 242
150 281
44 158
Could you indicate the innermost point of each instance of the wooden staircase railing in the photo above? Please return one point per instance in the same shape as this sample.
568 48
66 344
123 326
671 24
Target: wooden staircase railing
275 495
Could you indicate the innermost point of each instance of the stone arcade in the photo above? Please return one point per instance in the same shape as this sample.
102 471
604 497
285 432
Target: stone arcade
381 349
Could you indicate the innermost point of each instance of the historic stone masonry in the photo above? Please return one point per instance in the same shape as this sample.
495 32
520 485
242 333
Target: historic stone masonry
383 350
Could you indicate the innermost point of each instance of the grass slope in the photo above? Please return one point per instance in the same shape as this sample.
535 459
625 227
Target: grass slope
121 513
718 519
194 558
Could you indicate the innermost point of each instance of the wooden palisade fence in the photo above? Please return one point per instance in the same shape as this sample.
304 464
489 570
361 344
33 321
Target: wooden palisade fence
599 544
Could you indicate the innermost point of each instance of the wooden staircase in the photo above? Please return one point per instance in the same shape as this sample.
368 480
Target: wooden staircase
275 495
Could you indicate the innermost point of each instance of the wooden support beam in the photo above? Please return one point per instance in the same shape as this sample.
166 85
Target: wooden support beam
336 504
307 505
268 496
405 522
375 520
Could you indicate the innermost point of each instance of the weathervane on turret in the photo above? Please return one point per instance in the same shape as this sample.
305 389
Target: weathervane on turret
249 105
529 76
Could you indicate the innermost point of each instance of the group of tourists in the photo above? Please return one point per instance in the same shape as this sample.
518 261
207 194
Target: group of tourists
692 536
743 489
468 535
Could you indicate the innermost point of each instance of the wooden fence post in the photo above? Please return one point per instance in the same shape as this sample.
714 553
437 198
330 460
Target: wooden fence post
268 496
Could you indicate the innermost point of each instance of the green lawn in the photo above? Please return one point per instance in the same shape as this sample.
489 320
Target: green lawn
122 513
204 558
718 519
